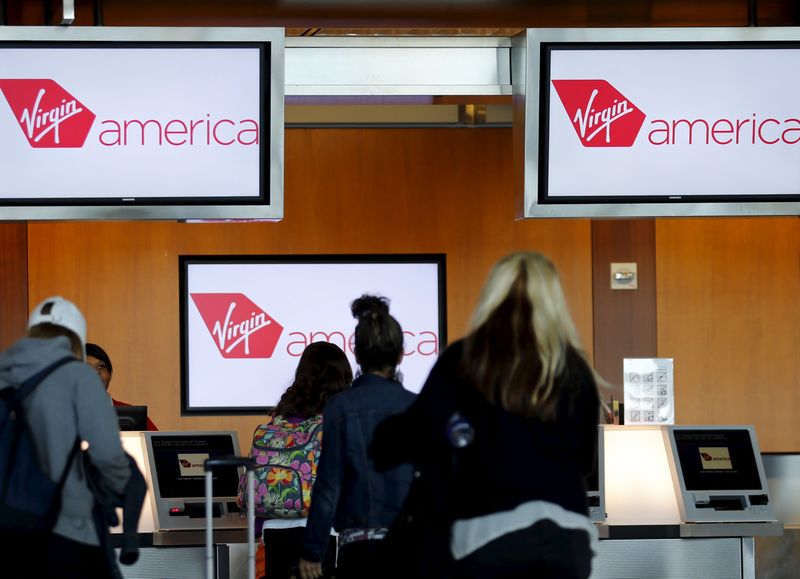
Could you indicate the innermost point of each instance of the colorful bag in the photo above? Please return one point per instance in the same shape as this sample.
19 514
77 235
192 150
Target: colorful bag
286 455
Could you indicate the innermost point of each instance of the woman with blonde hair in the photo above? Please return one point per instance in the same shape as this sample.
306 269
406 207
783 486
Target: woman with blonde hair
502 436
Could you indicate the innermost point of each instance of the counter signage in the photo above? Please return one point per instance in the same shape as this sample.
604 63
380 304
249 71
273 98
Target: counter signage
649 387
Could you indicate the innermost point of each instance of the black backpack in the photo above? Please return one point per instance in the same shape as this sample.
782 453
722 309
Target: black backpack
30 500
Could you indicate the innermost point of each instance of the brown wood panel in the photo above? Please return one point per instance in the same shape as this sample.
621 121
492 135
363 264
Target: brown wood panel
624 320
729 314
346 191
13 282
419 14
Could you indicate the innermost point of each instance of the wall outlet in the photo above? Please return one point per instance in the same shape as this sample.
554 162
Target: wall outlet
624 276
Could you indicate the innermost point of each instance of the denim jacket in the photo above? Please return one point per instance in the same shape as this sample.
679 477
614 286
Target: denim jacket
349 492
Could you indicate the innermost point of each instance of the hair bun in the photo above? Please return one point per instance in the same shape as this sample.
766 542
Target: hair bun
369 306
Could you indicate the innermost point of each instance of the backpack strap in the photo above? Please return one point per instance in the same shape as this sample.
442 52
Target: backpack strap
15 396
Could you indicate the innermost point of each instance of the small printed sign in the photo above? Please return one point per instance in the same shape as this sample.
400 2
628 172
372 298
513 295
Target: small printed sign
649 391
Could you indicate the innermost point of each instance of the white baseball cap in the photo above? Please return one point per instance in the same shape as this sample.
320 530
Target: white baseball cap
60 312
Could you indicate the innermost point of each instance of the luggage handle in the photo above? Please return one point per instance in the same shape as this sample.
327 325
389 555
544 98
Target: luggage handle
212 463
249 464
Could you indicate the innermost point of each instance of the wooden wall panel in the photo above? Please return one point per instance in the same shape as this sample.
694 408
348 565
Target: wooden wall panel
346 191
624 320
726 289
13 282
729 314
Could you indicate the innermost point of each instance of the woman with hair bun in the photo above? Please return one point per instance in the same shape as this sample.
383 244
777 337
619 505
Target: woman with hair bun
350 495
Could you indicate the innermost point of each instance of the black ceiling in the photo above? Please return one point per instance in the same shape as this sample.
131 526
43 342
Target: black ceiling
407 17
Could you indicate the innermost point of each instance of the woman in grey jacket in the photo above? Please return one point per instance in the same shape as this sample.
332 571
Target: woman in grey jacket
70 402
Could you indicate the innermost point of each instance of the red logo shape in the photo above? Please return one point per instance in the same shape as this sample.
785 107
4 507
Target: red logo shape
50 117
593 107
239 327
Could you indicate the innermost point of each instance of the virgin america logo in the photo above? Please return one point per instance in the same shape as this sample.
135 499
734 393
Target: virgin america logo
239 327
594 107
48 115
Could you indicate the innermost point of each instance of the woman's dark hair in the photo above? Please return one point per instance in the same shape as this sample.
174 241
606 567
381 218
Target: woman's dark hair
323 371
378 336
96 351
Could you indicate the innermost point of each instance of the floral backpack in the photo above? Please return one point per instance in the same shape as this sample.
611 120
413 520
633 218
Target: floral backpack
286 455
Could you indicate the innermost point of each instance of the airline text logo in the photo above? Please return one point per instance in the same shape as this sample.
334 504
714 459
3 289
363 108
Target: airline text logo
50 117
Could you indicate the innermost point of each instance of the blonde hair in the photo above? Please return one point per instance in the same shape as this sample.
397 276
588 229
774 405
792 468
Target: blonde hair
520 335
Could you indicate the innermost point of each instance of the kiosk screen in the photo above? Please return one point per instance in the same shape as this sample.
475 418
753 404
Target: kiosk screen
179 459
714 460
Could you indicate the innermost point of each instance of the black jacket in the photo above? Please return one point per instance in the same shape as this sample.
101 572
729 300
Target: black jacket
512 459
105 514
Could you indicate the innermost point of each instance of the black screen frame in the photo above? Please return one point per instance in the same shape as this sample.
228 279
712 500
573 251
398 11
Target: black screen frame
168 480
544 114
184 261
263 197
742 450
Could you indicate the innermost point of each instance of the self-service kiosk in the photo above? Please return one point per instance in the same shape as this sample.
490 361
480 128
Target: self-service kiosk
682 501
177 478
172 522
718 474
595 485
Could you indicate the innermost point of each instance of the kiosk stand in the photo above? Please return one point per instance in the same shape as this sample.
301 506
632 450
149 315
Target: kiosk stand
682 501
172 526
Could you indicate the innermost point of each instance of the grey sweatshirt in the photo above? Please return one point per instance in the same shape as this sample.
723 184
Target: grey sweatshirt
70 402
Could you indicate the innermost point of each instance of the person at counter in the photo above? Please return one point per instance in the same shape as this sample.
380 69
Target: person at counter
350 495
501 436
98 359
286 449
67 408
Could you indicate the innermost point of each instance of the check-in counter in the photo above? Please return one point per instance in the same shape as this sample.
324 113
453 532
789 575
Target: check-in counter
779 557
171 550
646 534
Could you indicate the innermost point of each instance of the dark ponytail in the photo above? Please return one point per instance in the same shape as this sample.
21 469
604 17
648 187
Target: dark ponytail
378 336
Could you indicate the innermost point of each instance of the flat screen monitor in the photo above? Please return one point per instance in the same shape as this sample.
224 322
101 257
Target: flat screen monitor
177 478
657 122
132 417
246 320
719 473
141 123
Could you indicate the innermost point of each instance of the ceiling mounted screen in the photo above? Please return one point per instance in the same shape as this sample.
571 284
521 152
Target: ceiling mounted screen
123 123
661 122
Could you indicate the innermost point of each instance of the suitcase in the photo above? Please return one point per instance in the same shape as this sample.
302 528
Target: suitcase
249 465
